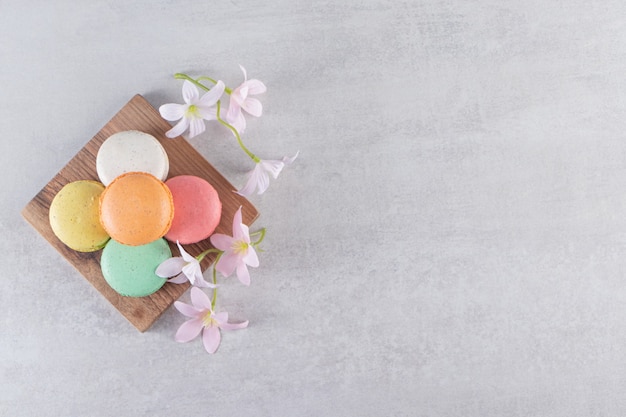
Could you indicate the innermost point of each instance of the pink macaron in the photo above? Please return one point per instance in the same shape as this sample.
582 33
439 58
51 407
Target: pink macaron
197 209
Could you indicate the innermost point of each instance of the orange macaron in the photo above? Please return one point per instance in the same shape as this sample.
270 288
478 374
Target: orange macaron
136 208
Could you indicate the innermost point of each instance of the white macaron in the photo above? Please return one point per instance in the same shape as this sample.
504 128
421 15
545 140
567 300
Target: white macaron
131 151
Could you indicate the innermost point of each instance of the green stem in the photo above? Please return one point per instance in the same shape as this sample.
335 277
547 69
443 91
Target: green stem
197 83
227 90
181 76
200 257
214 298
207 78
232 129
259 232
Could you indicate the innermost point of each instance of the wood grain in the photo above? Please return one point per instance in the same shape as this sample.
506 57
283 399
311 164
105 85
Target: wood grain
137 114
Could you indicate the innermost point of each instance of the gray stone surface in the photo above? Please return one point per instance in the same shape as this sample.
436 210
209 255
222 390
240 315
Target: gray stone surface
450 242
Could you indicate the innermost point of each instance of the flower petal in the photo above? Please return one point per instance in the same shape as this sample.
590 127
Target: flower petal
211 338
252 106
207 113
233 110
221 317
234 326
201 283
192 271
255 87
188 330
170 267
187 310
198 277
227 263
288 161
263 181
178 279
237 120
243 274
179 129
196 127
184 254
237 220
251 257
221 241
172 111
210 98
241 233
199 299
190 92
273 167
245 73
252 182
242 93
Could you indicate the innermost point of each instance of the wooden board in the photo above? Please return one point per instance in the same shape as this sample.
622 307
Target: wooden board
138 114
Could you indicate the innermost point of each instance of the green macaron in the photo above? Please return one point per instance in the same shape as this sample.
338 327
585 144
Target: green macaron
130 270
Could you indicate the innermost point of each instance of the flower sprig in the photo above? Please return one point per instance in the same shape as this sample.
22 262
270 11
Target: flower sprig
234 253
197 109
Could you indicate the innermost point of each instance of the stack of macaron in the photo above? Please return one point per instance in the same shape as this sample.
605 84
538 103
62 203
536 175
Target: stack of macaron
132 211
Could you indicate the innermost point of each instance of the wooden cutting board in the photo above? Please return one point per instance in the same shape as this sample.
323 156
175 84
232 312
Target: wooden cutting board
137 114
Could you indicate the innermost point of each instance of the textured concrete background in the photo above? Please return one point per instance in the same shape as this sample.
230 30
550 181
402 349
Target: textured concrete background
450 242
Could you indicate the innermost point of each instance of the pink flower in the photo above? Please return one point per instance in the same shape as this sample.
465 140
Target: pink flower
185 267
238 252
203 319
239 99
194 112
258 178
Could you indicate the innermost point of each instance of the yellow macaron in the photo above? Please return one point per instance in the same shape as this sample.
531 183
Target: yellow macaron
74 216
